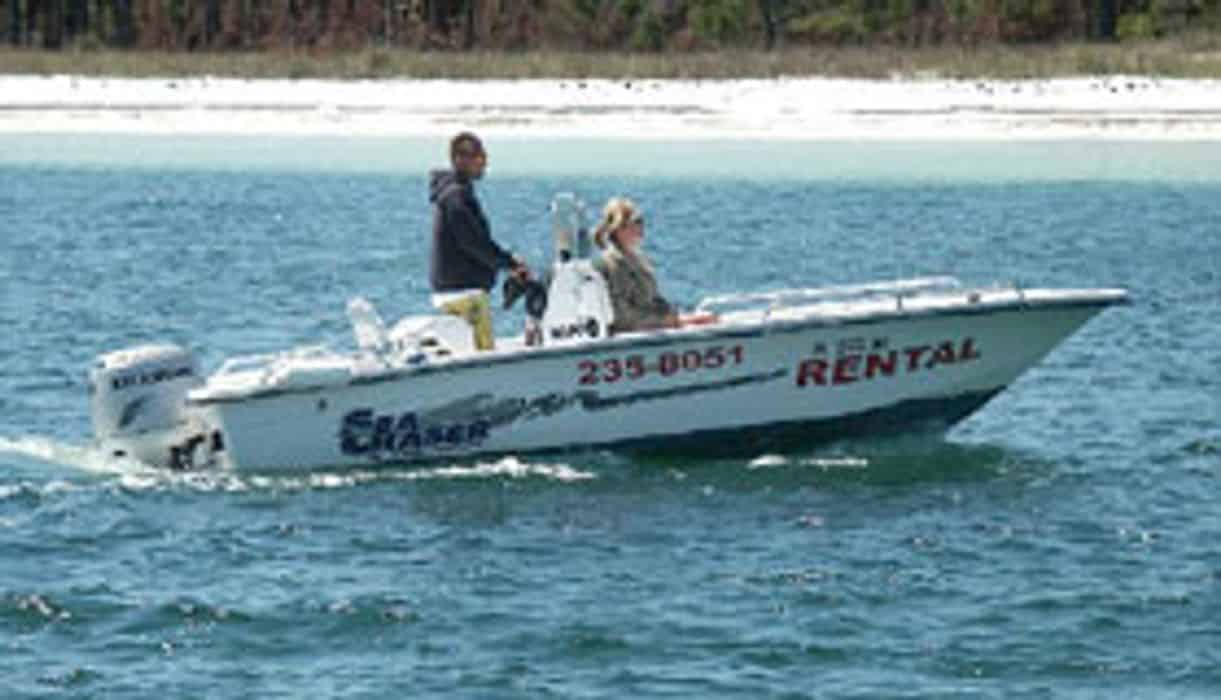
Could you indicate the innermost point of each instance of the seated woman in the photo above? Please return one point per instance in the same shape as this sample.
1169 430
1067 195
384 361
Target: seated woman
629 274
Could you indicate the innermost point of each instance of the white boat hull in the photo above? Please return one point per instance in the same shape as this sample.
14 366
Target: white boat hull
777 380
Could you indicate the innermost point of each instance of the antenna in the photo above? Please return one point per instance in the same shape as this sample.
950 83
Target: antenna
570 235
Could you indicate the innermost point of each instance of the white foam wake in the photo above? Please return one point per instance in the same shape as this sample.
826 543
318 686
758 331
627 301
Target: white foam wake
137 476
772 461
84 457
508 467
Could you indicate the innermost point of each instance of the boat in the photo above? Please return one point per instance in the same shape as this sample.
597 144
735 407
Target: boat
748 373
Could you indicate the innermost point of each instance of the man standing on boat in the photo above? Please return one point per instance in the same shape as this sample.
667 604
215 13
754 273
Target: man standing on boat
465 259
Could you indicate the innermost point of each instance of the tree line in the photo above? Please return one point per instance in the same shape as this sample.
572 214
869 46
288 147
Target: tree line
636 25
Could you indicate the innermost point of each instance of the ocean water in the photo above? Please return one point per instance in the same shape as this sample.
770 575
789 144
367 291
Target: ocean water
1061 543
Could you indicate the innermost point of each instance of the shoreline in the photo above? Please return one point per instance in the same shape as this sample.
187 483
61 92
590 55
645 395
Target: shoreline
779 109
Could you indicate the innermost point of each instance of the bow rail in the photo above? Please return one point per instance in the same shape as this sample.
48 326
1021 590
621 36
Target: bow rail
784 298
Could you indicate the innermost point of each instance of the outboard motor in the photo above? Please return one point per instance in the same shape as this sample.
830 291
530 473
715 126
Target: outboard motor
578 304
138 399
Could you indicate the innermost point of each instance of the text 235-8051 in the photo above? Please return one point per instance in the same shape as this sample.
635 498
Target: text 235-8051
666 364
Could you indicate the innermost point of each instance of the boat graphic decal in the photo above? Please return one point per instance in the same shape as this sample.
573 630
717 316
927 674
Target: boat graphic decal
511 410
593 401
852 363
132 411
668 363
507 411
388 435
465 424
165 374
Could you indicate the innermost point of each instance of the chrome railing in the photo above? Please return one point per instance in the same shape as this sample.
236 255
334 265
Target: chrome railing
784 298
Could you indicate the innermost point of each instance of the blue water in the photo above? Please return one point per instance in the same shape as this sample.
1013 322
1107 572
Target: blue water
1063 542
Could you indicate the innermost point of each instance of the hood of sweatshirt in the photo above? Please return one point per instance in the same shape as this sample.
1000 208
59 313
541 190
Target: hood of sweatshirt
440 180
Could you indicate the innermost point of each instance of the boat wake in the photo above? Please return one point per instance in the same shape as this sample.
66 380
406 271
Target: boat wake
772 461
137 476
506 468
83 457
898 460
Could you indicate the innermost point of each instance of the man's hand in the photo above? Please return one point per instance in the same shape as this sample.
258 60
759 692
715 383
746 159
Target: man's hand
519 269
698 319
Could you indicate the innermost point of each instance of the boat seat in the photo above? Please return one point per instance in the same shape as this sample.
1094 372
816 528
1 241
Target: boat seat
435 336
367 325
305 372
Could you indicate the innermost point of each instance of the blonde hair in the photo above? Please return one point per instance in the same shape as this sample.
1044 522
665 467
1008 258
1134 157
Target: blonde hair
618 212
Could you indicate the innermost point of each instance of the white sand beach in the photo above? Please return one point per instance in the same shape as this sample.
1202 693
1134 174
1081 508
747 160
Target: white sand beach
806 109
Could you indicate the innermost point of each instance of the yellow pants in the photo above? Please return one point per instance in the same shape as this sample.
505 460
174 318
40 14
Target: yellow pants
476 310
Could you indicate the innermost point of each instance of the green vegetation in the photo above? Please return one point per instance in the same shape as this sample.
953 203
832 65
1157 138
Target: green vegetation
611 38
1163 58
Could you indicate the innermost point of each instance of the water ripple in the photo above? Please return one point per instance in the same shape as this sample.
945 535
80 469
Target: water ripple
1059 543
